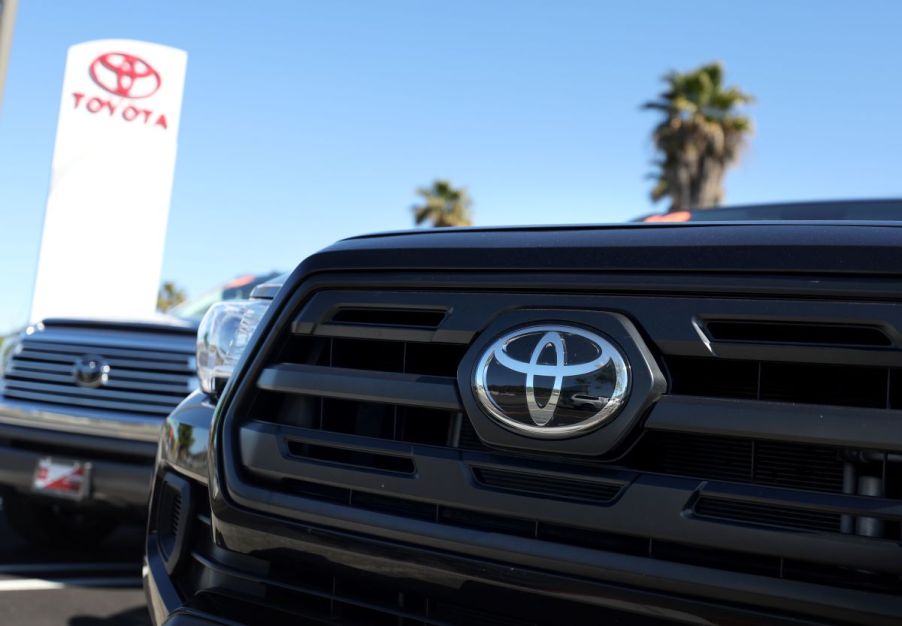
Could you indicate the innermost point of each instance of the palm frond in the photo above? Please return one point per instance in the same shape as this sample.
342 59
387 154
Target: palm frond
700 135
443 205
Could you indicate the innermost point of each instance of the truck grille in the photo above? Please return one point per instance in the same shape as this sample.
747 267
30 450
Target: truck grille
149 373
774 451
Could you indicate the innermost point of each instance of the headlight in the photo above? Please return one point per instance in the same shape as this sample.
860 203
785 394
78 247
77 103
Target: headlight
9 348
223 334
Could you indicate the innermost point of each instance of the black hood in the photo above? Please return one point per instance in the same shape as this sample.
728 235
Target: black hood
757 247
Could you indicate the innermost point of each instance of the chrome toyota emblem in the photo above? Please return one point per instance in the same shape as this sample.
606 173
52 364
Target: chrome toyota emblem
90 370
551 380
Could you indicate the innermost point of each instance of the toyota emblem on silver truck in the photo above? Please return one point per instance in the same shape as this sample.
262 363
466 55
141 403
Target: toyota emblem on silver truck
551 380
90 370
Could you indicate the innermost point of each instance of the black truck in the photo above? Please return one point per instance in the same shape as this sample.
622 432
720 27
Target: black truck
633 424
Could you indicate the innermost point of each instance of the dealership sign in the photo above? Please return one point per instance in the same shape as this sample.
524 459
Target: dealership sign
111 180
125 78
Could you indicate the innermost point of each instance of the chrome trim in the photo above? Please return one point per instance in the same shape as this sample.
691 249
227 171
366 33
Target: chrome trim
180 346
551 335
185 437
81 421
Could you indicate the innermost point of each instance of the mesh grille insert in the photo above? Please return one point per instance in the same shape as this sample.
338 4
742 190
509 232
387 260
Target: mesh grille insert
768 515
777 464
557 488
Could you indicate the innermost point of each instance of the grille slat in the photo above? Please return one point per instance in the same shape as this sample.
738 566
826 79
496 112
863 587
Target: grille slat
416 318
13 385
106 405
20 364
19 373
137 354
430 392
128 364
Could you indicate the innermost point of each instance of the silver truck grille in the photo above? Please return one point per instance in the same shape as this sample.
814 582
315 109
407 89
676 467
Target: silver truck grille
143 377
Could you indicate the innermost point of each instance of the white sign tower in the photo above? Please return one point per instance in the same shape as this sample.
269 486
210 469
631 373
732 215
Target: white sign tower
111 181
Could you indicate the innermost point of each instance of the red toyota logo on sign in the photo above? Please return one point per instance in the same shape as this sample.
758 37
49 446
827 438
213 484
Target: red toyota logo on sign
125 75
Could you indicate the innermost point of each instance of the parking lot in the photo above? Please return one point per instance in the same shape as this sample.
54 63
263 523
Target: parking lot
78 587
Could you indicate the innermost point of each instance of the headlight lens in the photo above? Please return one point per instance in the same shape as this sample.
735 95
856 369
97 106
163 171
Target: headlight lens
8 349
223 334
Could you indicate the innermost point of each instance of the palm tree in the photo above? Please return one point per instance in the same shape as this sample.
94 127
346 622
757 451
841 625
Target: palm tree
700 137
443 205
169 296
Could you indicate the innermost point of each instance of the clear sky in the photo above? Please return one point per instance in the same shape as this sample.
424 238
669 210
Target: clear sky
304 122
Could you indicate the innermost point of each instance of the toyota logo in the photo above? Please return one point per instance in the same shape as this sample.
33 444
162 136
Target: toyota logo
551 381
90 371
125 75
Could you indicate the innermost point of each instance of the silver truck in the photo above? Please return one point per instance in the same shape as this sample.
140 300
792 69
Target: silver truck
82 402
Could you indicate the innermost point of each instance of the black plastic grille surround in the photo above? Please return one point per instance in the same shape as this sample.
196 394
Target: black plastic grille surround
754 481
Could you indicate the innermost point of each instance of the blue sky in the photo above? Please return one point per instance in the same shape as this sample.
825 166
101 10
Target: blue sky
305 122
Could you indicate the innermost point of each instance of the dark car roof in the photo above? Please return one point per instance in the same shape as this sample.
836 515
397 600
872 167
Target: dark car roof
810 247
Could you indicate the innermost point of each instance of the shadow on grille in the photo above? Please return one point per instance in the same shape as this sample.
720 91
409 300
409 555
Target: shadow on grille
803 383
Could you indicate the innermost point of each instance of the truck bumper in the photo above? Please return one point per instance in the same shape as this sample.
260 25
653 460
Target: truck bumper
318 576
121 469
